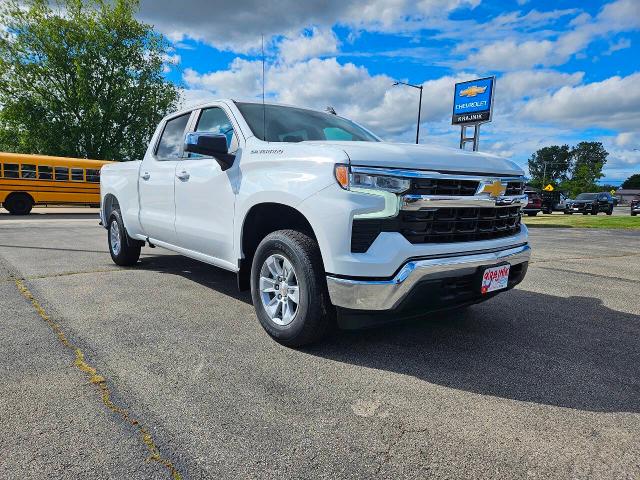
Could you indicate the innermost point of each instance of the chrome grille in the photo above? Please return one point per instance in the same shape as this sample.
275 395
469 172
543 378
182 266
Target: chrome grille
438 186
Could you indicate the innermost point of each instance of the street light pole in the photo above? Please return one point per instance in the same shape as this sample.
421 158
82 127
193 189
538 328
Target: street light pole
419 87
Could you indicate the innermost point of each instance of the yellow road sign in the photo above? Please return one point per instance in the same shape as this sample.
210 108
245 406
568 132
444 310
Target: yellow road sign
548 188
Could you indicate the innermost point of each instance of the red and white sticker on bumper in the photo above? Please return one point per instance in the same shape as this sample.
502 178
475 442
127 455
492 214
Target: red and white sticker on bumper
495 278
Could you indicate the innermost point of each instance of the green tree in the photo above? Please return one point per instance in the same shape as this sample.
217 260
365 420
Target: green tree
588 159
81 79
632 182
549 165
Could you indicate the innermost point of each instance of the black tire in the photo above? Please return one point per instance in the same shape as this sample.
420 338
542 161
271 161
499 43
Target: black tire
633 214
585 213
594 211
19 204
610 211
532 214
315 315
128 252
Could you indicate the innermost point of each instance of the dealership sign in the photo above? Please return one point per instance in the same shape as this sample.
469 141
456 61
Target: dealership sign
472 101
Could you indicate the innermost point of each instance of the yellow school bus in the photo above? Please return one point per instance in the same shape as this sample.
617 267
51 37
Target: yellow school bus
28 180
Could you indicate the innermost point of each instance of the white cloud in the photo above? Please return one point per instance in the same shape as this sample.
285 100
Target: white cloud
316 43
611 103
515 53
621 44
240 79
238 24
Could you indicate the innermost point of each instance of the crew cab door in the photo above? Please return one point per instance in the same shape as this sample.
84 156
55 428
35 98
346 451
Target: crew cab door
157 182
205 194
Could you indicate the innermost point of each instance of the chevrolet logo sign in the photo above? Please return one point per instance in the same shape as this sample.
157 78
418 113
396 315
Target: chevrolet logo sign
472 91
495 189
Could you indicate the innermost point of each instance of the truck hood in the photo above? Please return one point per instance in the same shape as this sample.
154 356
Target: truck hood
423 157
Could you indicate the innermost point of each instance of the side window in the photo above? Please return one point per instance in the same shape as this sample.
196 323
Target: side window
170 145
62 174
77 174
93 175
28 171
214 120
335 133
11 170
45 173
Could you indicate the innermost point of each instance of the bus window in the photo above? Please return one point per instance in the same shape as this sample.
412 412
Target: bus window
62 173
11 170
28 171
93 176
77 175
45 173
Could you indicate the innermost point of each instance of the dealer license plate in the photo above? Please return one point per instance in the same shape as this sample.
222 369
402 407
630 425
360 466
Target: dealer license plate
495 278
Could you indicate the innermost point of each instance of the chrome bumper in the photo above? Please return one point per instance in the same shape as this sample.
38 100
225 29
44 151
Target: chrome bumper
388 294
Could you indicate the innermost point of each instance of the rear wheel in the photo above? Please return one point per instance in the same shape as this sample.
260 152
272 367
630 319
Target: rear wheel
289 289
532 214
125 251
19 204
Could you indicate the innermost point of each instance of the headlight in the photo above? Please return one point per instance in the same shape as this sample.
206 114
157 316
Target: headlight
362 181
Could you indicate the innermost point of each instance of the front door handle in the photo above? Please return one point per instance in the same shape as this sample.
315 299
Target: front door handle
184 176
145 176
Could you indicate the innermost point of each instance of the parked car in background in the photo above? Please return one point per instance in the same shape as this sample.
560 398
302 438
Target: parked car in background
635 207
554 202
534 205
591 203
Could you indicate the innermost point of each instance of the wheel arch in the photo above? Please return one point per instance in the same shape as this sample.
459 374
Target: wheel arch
261 220
109 204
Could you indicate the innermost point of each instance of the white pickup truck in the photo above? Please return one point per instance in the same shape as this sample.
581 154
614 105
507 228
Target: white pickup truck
318 217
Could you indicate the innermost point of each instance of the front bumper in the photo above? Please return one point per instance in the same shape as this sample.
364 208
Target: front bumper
580 207
389 294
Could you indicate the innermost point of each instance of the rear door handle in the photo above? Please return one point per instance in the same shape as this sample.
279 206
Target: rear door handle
184 176
145 176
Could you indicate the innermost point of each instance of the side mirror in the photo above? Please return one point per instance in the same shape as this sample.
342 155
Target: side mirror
210 145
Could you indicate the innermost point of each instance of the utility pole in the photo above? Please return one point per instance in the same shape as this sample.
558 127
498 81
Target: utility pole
419 87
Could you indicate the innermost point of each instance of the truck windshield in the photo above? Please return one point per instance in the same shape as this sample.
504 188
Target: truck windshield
290 124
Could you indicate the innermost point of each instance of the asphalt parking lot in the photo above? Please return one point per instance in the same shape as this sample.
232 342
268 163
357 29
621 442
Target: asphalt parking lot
540 382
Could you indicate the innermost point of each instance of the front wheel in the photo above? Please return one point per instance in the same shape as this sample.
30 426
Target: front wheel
289 289
532 214
19 204
610 211
125 251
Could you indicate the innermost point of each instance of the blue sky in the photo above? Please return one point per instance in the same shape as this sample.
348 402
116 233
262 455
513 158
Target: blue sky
566 71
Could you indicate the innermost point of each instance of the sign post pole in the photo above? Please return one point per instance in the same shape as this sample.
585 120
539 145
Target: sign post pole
473 106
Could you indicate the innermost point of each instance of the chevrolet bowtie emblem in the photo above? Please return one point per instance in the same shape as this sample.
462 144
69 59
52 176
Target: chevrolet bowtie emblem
472 91
495 189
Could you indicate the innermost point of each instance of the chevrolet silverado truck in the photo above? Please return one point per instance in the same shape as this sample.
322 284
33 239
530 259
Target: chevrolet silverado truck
319 217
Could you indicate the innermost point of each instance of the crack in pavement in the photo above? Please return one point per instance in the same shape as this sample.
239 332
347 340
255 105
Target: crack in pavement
533 262
592 275
101 382
397 439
